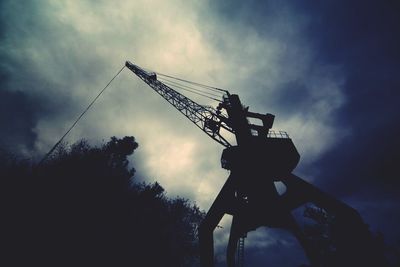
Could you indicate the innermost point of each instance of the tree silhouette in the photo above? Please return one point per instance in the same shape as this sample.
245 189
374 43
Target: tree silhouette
83 208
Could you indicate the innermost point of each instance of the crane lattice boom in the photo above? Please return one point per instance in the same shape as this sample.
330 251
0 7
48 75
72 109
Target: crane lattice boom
208 119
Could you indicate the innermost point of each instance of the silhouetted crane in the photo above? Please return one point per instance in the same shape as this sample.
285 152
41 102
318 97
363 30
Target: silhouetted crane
259 158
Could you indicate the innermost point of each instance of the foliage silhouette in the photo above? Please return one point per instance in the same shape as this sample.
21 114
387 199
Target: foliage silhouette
82 208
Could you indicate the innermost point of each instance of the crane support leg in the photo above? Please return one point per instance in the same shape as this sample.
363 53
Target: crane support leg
347 223
300 192
236 233
295 230
221 205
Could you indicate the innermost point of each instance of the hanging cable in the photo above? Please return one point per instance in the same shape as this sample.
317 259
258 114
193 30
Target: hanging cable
199 84
189 87
194 92
190 82
79 117
199 88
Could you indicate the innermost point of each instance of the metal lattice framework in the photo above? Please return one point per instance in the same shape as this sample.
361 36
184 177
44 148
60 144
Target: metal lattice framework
204 117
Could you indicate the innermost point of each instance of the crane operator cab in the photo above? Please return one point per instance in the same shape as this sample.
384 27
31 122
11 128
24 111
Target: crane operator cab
275 151
258 145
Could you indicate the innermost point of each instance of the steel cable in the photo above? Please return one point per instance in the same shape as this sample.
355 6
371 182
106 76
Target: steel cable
79 117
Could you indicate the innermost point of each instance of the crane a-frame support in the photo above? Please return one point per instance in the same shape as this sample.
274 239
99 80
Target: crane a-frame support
276 215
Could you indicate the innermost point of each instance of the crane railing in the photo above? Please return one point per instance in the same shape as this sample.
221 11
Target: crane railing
277 134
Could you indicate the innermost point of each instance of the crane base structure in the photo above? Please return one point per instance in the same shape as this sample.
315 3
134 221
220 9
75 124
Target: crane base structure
276 213
251 197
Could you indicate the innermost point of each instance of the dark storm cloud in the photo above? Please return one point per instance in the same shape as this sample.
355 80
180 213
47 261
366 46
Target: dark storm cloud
47 66
364 39
17 118
361 39
18 113
362 36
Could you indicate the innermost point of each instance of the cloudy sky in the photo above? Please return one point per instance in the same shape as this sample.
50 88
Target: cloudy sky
328 70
